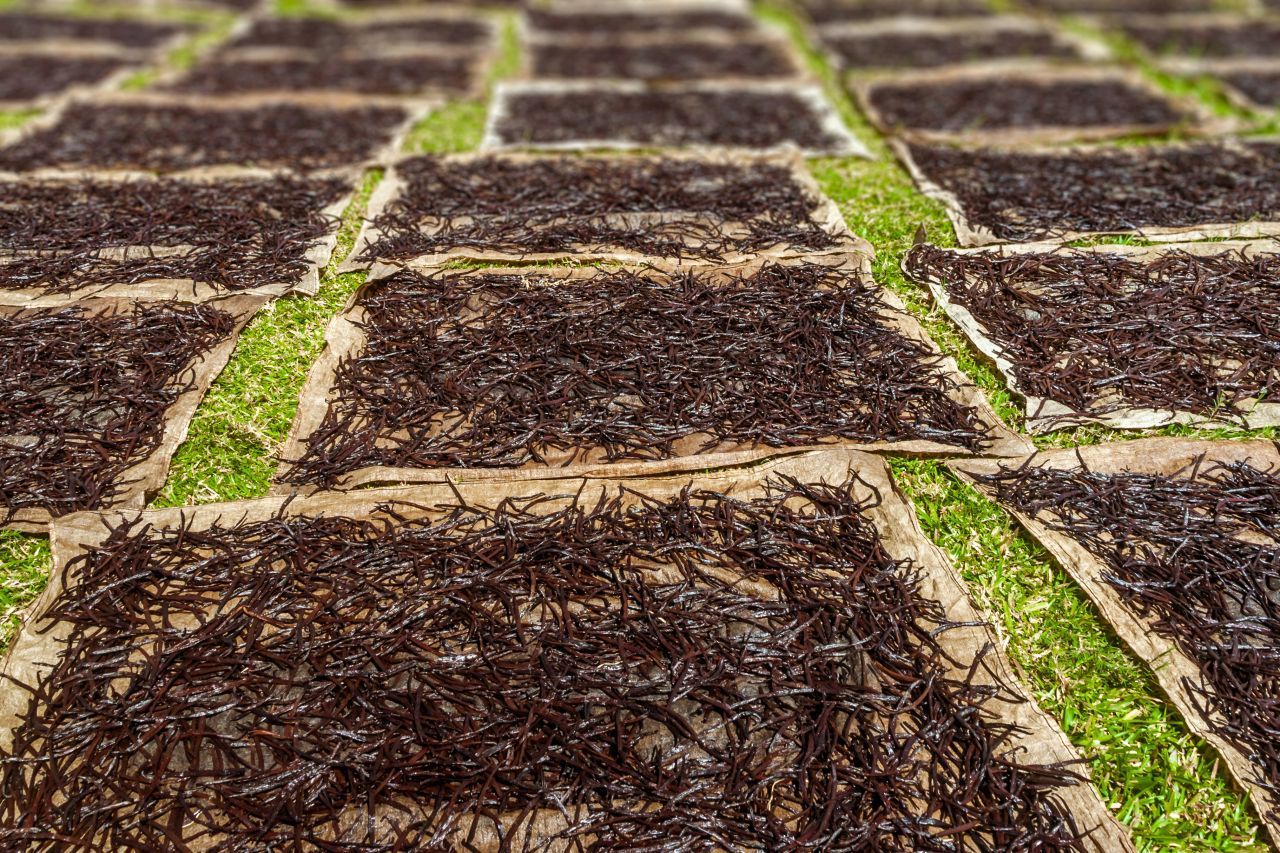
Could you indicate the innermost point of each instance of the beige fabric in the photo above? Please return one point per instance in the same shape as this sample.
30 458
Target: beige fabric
824 213
1041 741
845 144
971 234
186 290
1199 119
1045 414
1170 666
346 338
147 476
75 47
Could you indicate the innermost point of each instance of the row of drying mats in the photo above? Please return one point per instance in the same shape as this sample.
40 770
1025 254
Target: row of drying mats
650 588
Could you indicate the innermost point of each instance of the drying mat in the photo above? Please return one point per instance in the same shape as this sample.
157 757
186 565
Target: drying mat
621 22
43 79
1177 673
1028 106
631 115
303 134
258 235
639 6
1002 41
377 33
1179 333
412 74
861 11
1163 193
809 553
391 5
871 379
227 6
1158 8
754 56
682 210
386 5
1207 36
127 412
54 32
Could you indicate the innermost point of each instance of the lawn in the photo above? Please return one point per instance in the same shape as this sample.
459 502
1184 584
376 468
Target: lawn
1160 780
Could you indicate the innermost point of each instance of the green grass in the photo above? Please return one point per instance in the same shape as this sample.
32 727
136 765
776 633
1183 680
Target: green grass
1159 779
237 432
25 562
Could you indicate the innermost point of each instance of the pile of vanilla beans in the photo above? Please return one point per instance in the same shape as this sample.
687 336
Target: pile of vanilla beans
176 137
521 671
661 60
314 35
1199 554
1098 332
888 49
234 234
737 118
1240 38
84 394
617 24
842 11
1030 195
964 105
495 369
660 207
390 75
26 27
33 75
